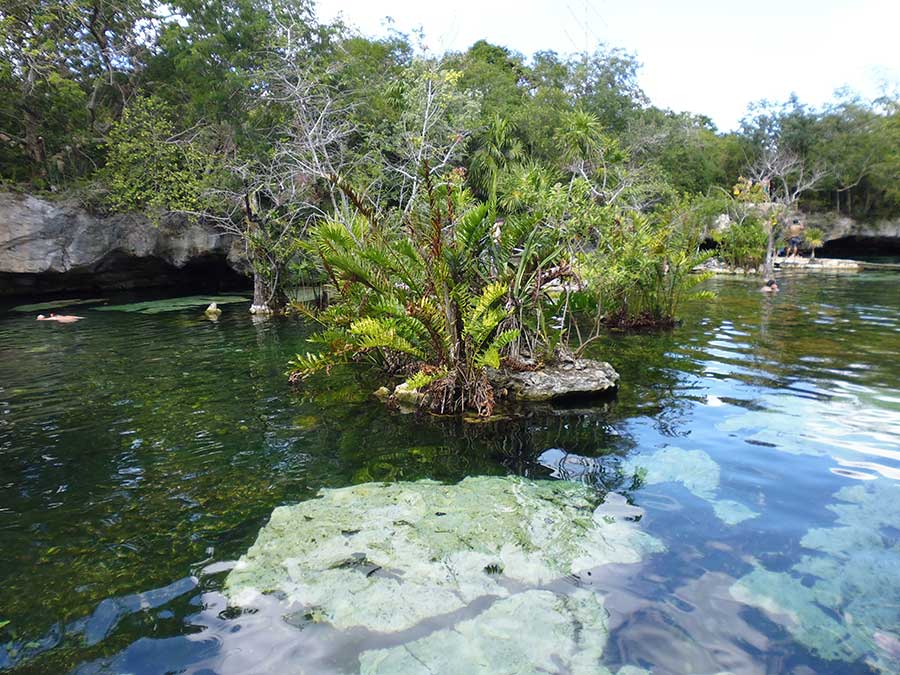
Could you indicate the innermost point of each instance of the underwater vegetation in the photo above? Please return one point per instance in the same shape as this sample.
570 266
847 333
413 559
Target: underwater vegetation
173 304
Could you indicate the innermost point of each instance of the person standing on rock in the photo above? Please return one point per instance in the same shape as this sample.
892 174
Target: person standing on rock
795 238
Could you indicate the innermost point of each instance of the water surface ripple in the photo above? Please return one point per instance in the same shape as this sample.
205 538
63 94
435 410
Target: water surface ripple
140 454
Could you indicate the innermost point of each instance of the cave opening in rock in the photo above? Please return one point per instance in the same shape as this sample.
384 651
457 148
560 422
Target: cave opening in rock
118 271
860 248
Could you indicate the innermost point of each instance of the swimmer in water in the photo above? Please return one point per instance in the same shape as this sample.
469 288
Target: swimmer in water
770 287
60 318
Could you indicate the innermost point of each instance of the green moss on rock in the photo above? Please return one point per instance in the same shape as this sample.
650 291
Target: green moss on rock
531 632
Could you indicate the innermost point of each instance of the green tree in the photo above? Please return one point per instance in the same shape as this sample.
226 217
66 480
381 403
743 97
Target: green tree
495 149
67 69
150 167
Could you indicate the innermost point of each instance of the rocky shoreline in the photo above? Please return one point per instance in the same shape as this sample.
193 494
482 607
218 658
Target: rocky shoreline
796 264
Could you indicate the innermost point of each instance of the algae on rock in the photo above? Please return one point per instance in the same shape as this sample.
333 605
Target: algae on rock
856 592
387 556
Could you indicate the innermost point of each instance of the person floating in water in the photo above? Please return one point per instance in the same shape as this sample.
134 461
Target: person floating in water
60 318
770 287
795 238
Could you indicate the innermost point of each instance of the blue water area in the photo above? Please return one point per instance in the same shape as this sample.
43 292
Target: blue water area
141 453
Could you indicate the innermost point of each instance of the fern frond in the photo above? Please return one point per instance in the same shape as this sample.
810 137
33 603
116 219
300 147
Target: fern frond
372 333
304 365
491 355
423 378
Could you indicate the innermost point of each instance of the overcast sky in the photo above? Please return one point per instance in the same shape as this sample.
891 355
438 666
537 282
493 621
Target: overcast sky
704 56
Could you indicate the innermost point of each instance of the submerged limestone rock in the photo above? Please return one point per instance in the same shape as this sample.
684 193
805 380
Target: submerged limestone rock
845 428
385 557
731 512
176 304
531 632
694 469
577 378
842 600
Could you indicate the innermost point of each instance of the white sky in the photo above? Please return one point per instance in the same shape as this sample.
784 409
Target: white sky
704 56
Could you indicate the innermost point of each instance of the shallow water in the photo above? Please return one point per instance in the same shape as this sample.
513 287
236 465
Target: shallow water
140 454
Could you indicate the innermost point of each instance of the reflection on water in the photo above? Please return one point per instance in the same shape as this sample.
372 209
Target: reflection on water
141 455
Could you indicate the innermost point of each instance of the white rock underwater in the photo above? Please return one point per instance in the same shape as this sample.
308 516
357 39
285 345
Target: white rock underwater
694 469
843 600
388 557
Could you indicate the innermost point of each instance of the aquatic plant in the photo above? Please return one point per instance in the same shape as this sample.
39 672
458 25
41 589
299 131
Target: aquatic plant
173 304
57 304
642 268
438 294
742 244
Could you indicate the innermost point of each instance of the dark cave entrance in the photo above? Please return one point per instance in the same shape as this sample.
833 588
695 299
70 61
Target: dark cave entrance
117 271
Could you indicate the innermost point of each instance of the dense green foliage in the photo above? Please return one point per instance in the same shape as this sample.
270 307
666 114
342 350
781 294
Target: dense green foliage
69 70
437 294
742 244
642 270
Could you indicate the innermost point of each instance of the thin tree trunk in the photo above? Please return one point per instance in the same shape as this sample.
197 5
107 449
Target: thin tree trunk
34 144
262 296
769 269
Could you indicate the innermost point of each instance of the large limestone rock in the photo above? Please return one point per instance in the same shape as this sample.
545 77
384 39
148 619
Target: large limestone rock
838 226
479 577
567 379
47 246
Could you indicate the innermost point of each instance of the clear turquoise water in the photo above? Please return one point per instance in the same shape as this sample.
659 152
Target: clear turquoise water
140 454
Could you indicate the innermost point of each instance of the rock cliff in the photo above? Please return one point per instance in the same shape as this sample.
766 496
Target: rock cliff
847 238
48 246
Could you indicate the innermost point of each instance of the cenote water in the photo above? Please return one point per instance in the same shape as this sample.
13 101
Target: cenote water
750 466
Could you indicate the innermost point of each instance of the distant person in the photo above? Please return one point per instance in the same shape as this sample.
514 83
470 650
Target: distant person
769 287
60 318
795 234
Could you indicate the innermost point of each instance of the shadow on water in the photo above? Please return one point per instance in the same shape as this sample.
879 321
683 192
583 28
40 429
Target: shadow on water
141 454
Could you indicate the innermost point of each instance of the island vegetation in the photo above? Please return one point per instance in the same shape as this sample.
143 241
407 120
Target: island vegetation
465 210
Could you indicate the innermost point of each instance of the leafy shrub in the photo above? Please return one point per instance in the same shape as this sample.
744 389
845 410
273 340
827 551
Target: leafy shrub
742 244
642 269
438 294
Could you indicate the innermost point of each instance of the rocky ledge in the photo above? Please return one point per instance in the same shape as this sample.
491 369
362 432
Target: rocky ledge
567 379
797 264
818 264
48 246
